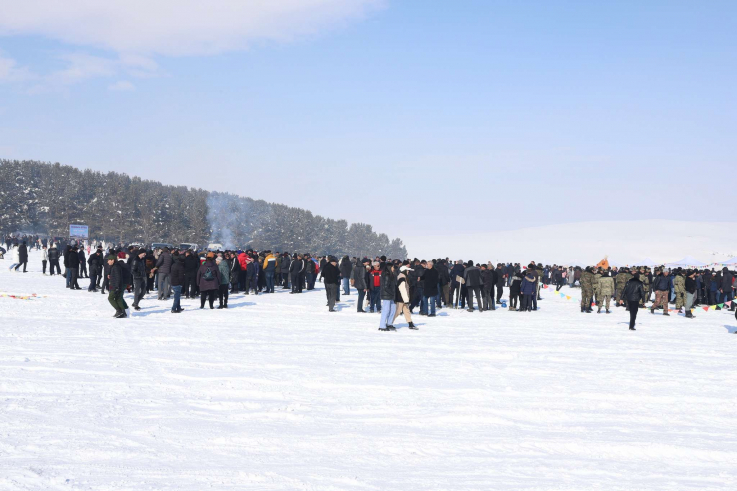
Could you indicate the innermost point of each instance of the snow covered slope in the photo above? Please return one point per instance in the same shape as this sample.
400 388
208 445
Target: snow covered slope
586 243
277 393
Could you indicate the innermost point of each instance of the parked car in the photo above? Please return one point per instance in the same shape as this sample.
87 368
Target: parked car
161 245
184 246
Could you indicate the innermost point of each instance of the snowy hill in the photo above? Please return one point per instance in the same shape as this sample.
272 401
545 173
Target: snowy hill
582 243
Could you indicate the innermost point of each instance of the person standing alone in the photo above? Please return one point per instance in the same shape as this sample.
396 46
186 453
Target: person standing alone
633 293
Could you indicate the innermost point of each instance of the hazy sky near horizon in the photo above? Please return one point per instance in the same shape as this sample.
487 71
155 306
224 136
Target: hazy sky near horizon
418 117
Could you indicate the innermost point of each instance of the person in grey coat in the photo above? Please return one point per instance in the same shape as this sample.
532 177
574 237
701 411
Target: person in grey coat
286 262
163 268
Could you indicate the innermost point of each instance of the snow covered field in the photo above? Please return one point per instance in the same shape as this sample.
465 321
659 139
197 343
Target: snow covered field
277 393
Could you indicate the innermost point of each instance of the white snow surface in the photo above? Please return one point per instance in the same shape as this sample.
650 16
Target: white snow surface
277 393
585 243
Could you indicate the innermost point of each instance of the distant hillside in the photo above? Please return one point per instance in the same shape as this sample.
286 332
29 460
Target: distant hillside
582 243
45 198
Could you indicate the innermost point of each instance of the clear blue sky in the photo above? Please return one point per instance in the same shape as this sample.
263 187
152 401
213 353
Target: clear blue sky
414 116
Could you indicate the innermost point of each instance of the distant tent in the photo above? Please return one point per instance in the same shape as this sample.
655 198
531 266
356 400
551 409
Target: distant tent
604 263
645 262
574 263
728 262
686 262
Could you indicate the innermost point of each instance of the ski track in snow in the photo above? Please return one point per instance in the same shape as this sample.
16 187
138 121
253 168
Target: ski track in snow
277 393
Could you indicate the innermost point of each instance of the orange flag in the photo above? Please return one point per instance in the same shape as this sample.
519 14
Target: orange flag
604 263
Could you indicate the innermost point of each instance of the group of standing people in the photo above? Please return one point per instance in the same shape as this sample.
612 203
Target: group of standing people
388 287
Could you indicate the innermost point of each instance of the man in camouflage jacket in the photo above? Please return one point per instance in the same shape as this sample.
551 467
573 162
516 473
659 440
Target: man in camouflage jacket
587 289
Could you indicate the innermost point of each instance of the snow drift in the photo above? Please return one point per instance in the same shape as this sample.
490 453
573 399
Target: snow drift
625 242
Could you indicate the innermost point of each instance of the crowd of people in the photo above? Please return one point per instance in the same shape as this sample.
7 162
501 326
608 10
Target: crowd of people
389 287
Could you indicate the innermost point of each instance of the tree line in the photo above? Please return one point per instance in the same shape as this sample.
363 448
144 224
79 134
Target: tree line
44 198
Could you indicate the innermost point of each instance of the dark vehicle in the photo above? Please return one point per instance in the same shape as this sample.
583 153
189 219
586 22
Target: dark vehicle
161 245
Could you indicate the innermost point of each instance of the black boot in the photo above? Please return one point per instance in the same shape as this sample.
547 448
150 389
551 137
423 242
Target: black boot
413 327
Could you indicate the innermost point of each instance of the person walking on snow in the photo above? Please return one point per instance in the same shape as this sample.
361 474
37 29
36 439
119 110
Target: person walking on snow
633 293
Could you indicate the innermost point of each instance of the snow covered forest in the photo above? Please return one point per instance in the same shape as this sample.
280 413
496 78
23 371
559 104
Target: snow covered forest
44 198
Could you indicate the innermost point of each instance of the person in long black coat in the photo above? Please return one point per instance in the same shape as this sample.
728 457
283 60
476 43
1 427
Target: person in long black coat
72 261
22 256
82 263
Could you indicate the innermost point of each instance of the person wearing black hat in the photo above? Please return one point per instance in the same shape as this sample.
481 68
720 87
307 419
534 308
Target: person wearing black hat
633 293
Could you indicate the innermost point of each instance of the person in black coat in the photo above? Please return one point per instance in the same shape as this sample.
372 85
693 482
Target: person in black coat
72 262
54 260
82 264
138 273
296 269
286 262
117 284
442 267
430 280
331 277
105 277
633 293
488 277
346 268
725 288
690 292
191 265
455 286
472 275
94 263
178 280
23 256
